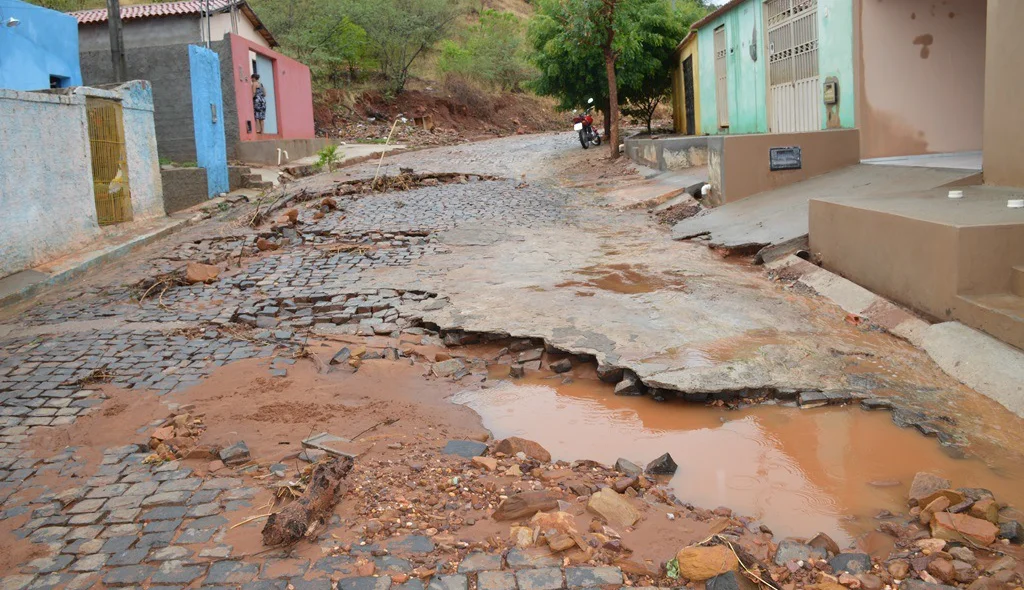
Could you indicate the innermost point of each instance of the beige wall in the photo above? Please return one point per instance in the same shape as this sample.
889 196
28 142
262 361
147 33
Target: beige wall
739 165
1004 89
220 25
923 78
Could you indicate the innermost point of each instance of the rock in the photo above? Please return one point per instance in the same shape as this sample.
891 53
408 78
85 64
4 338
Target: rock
826 584
825 543
793 550
963 572
557 528
488 463
513 445
623 484
703 563
614 508
517 371
530 355
663 465
731 580
976 493
870 581
197 272
521 536
1003 563
913 584
963 554
627 467
985 509
942 569
164 433
953 496
525 504
341 356
954 527
939 504
609 374
855 563
562 366
236 454
1012 531
448 368
898 569
924 485
630 385
929 546
292 215
464 448
264 245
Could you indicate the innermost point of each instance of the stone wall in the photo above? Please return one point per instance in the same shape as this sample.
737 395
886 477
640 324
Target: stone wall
183 188
668 153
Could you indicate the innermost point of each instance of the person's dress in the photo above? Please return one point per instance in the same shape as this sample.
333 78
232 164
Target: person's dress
259 103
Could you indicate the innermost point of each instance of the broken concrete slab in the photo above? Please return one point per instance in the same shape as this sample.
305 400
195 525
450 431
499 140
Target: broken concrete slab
336 445
464 448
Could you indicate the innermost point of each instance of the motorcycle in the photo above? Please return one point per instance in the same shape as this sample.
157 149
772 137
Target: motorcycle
583 123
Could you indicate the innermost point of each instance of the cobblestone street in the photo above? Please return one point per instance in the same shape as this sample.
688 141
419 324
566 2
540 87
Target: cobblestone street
387 288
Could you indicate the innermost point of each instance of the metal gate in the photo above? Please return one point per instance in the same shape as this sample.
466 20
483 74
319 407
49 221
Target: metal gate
721 77
109 161
793 82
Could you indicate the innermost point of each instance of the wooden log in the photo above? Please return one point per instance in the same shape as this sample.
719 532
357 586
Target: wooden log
313 506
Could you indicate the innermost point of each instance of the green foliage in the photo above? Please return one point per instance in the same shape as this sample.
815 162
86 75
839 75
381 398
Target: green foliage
321 34
566 37
65 5
328 157
672 569
492 52
400 31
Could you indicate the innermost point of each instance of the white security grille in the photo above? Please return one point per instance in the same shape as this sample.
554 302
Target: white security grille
792 32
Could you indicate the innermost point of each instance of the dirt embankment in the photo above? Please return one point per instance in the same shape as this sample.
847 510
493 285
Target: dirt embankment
458 112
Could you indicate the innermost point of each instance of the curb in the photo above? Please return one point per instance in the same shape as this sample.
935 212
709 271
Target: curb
95 261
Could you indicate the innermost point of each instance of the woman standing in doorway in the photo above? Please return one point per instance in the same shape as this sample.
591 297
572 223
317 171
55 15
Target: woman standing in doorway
259 102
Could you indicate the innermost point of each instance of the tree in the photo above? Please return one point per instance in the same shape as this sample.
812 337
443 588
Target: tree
491 52
576 49
400 31
320 33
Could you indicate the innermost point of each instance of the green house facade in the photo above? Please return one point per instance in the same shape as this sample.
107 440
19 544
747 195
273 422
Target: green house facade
770 66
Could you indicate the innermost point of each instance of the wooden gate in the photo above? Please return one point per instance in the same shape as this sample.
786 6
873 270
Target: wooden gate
791 27
721 77
689 104
109 161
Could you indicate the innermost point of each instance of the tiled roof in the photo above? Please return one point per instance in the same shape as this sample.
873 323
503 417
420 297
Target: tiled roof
185 8
99 15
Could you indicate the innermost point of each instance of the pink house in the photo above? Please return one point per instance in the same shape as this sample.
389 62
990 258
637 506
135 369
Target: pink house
157 37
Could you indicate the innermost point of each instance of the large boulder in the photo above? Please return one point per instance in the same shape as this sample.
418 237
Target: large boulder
703 563
793 550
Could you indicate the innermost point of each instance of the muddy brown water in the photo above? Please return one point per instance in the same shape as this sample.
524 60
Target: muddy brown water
797 471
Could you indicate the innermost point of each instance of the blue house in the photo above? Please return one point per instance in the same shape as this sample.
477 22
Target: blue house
38 47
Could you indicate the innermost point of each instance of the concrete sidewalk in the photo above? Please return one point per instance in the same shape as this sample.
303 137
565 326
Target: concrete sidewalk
27 283
781 215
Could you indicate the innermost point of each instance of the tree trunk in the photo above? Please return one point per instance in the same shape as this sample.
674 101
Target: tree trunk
315 504
613 99
607 122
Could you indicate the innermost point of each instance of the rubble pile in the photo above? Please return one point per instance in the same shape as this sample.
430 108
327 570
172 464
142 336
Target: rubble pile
177 437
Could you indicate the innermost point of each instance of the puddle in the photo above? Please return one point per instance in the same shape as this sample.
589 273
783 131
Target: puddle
628 279
798 471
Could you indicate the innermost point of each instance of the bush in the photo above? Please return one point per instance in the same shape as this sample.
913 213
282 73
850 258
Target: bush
492 53
329 156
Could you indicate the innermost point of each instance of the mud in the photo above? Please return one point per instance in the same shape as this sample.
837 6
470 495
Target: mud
625 278
799 471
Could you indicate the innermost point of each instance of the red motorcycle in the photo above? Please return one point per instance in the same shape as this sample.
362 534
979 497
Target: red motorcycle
583 123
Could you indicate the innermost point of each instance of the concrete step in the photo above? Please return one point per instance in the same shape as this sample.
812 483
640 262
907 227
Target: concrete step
1017 281
256 181
999 314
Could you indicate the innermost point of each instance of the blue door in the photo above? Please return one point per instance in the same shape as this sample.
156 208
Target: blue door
208 118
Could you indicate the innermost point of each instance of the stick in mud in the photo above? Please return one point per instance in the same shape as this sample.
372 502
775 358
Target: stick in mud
291 524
